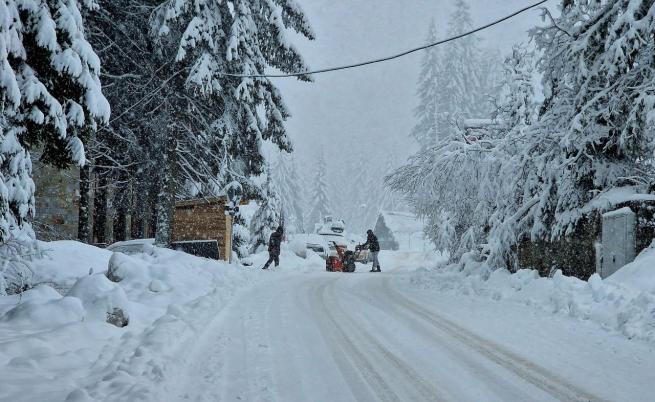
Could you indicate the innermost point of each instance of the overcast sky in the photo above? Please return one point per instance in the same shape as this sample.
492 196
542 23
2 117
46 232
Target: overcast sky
373 105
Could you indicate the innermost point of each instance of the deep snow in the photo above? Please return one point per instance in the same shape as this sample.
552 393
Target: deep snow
207 330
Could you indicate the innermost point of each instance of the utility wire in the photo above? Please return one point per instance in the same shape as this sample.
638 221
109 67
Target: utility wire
383 59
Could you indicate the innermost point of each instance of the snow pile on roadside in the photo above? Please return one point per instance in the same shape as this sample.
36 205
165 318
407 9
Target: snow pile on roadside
66 261
639 274
624 302
55 340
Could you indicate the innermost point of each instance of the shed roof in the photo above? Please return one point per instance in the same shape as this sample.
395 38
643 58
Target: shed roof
200 201
401 222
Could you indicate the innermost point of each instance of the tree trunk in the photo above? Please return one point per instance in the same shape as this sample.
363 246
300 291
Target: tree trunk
120 205
138 212
152 209
100 210
166 194
83 212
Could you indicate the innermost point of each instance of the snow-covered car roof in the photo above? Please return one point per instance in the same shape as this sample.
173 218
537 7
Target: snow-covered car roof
132 242
310 238
127 246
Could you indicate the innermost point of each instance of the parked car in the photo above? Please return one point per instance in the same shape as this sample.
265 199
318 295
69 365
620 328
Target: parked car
313 242
134 246
331 225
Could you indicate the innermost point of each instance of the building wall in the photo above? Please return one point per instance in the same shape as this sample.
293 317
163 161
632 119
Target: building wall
202 220
56 202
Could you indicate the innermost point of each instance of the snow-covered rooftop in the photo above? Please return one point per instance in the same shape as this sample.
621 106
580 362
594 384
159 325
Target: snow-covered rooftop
402 222
615 196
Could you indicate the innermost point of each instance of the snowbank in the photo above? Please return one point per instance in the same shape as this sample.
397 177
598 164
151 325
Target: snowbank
57 341
66 261
623 303
639 274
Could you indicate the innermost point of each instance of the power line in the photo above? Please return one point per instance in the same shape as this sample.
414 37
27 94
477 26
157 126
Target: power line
396 56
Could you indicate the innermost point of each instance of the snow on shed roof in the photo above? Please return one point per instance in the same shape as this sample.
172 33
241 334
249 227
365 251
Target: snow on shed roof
401 222
615 196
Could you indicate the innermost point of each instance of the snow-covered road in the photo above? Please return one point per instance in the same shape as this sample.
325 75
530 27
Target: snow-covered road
317 336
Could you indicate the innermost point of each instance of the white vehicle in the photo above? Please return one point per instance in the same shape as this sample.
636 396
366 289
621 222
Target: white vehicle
135 246
314 242
331 225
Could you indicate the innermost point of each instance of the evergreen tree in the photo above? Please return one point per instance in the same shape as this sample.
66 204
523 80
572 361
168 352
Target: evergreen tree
267 217
321 206
430 111
463 84
445 239
49 93
595 128
517 106
209 39
468 81
290 192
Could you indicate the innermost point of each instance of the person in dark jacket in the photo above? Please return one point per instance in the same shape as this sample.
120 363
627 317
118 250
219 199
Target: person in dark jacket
274 244
373 245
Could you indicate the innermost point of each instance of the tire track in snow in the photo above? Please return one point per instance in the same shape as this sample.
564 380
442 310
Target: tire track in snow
425 390
363 344
350 360
494 380
536 375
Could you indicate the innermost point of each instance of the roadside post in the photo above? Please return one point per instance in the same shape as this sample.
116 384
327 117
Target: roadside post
234 193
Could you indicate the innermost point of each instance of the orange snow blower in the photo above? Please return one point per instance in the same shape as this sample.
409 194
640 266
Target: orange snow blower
344 261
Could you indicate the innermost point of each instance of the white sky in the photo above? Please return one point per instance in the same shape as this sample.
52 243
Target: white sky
373 105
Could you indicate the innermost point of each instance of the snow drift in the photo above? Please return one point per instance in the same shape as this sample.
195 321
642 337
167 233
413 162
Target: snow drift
57 341
623 303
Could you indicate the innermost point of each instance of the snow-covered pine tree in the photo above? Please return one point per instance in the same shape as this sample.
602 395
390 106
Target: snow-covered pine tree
469 78
516 106
209 39
355 200
430 111
461 68
49 92
444 239
123 153
466 87
600 100
267 217
321 206
285 176
595 128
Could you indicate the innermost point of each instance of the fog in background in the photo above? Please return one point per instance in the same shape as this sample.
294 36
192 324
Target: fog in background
367 113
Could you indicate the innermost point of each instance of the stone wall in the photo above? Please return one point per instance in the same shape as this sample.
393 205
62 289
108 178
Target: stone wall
57 202
575 255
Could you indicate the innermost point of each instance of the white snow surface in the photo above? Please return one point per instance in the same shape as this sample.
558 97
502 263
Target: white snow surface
622 304
205 330
55 346
639 274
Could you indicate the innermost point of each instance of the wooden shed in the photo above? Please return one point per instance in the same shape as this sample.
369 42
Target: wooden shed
199 222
